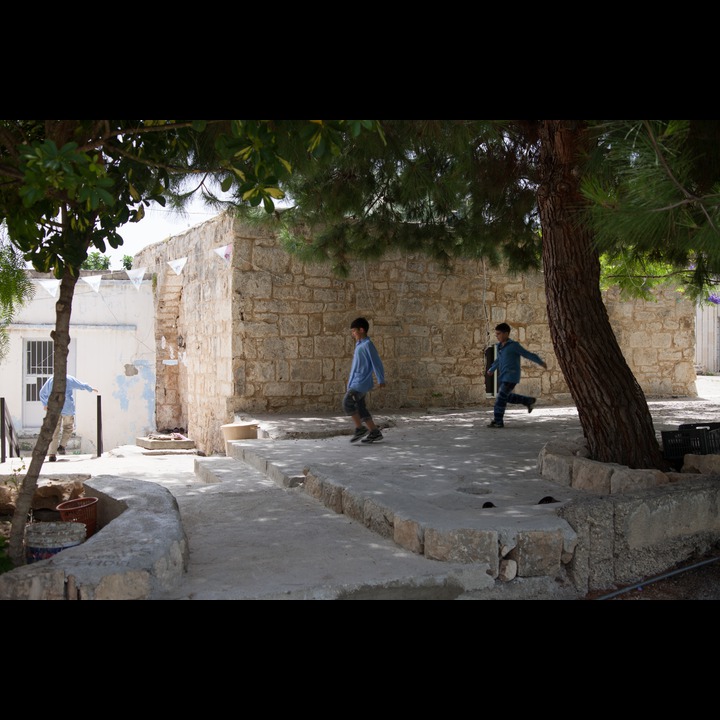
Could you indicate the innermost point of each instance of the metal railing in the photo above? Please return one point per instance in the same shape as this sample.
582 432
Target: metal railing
8 436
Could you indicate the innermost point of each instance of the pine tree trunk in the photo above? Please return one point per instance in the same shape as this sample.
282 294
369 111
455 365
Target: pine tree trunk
61 338
611 405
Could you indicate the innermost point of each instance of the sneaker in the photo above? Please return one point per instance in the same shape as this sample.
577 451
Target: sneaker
359 432
531 405
52 458
61 450
374 436
493 424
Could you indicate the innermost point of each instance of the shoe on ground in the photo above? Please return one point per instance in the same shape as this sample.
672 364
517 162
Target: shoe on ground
493 424
359 432
61 450
52 458
373 436
531 405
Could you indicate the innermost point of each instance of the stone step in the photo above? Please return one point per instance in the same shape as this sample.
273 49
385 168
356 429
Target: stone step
156 441
27 442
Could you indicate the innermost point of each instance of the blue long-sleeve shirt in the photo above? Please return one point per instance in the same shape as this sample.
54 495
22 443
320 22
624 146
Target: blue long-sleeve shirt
71 384
508 360
366 361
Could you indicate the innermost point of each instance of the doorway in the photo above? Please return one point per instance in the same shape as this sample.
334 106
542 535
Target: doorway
38 366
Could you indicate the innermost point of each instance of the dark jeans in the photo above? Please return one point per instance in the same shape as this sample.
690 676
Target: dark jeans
506 395
354 402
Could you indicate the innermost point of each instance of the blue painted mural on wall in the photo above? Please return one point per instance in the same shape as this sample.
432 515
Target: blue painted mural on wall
138 377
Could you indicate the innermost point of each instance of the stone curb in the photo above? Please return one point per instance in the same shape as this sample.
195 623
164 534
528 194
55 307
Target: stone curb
141 550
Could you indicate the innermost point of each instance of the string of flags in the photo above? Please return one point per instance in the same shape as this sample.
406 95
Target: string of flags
177 265
225 252
52 286
135 276
93 282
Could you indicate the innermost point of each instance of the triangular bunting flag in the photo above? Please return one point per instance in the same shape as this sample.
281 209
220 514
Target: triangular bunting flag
51 286
93 282
177 265
136 276
224 252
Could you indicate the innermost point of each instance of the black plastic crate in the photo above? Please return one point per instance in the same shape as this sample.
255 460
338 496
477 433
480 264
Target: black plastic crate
700 426
692 439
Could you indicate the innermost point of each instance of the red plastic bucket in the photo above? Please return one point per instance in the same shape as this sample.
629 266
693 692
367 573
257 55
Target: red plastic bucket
82 510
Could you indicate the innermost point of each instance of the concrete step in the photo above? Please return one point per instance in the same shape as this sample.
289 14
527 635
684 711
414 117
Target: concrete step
27 442
420 512
158 441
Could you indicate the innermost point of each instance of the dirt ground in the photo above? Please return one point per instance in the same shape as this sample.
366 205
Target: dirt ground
698 580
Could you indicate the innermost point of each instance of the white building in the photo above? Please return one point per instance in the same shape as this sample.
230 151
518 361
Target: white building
112 348
707 338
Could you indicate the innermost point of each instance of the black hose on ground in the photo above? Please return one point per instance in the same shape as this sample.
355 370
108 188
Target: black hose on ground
651 580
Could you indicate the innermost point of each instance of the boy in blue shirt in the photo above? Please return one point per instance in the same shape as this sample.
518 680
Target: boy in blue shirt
366 361
66 423
509 353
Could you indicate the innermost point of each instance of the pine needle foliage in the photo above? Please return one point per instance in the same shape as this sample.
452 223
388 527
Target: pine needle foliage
444 188
467 189
654 187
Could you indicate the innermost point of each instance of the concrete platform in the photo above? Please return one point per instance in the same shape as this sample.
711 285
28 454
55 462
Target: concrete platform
164 444
308 515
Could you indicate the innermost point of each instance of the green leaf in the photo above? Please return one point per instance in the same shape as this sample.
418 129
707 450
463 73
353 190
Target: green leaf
275 192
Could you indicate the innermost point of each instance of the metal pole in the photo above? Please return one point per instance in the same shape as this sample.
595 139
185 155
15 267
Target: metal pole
2 430
99 426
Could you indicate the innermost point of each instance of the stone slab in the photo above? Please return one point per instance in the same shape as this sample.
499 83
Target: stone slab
152 444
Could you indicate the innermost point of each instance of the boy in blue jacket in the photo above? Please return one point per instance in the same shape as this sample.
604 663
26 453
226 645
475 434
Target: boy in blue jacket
366 361
509 353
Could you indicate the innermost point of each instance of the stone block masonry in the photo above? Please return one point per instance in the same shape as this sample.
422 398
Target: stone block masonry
263 332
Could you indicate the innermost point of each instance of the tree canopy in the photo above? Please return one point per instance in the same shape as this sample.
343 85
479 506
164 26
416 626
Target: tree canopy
467 188
15 289
67 186
654 195
96 261
549 194
553 195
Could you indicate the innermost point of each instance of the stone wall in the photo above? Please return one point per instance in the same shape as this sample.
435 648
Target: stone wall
263 332
194 334
657 340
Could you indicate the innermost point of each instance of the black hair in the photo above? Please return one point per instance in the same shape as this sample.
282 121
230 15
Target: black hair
360 323
503 327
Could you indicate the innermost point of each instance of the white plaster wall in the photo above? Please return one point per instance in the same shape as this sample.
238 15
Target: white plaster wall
707 351
112 332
